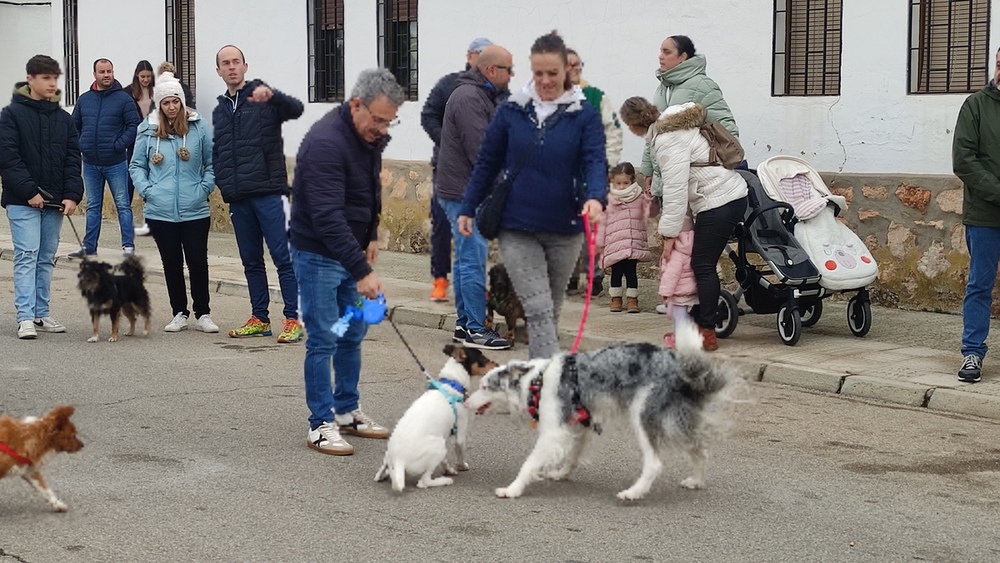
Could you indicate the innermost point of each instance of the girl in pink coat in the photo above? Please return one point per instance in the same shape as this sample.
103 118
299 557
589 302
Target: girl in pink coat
623 237
677 284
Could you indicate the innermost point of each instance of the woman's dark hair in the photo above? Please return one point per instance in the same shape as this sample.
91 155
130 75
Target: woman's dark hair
638 112
552 43
625 168
684 45
136 88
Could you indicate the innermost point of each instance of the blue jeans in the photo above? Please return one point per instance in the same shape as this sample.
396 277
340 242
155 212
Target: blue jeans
35 234
321 278
984 254
94 178
468 279
256 221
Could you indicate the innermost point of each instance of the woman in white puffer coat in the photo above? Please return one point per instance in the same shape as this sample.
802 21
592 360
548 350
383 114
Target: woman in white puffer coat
714 196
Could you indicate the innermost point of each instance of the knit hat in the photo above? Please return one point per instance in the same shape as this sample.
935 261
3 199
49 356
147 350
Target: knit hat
167 86
478 44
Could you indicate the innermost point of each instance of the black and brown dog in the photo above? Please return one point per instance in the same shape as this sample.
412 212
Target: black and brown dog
114 291
503 299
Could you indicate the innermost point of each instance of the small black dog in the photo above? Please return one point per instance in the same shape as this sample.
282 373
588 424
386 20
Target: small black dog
503 299
115 290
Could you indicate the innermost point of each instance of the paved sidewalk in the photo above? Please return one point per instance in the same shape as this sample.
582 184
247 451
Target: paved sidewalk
908 357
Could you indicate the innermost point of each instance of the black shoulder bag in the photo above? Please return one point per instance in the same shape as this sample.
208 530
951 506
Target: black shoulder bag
490 212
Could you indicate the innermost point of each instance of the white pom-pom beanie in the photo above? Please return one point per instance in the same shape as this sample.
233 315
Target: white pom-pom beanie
167 86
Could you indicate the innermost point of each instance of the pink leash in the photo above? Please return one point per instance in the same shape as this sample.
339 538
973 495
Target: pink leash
591 234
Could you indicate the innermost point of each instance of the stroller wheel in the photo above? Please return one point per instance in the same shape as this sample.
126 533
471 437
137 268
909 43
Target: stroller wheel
859 316
728 315
789 325
812 313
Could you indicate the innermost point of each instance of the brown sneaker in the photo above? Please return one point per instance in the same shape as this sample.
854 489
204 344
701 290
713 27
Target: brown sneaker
709 343
327 439
360 424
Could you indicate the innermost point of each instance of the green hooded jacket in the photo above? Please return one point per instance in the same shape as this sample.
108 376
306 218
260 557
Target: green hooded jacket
975 155
684 83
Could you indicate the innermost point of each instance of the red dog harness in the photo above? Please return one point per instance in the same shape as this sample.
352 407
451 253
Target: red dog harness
580 415
17 457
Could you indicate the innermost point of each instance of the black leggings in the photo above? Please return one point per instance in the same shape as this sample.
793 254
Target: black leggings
625 268
712 229
186 241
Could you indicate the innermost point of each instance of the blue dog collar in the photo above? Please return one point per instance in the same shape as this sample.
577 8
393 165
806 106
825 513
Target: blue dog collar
454 385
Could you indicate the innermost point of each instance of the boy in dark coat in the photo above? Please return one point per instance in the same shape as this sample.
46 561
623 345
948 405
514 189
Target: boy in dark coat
40 172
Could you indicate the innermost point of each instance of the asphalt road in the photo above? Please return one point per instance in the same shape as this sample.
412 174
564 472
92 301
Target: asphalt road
196 451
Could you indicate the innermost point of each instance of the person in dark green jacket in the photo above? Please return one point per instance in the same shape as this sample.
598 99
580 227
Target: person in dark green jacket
975 157
682 79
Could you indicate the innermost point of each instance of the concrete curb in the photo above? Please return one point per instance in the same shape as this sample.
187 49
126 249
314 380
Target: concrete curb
839 383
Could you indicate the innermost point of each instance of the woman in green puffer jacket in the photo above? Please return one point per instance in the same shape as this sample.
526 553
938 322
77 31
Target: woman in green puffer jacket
682 79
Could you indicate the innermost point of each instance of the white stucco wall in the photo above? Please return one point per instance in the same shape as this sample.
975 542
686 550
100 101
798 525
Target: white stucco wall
873 126
26 32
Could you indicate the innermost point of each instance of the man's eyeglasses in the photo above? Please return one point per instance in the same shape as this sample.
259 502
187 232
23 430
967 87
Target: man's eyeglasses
509 69
380 121
576 65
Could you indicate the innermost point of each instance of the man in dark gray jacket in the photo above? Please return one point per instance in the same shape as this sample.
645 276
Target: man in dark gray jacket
469 110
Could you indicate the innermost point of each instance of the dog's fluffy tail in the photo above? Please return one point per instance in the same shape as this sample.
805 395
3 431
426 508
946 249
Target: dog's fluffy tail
132 267
688 336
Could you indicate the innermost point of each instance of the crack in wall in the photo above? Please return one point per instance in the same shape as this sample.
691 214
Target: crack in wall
840 141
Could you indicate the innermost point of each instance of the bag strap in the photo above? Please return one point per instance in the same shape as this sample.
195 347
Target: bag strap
538 139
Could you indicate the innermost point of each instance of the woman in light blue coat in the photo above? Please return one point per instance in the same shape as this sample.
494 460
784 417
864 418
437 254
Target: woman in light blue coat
172 171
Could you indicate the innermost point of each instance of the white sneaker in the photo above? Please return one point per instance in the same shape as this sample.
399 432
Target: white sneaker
48 324
179 323
327 439
661 308
142 230
26 330
128 251
205 324
357 423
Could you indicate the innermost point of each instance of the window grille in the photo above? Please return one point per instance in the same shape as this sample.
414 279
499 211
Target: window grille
397 42
949 46
807 47
71 52
180 42
325 22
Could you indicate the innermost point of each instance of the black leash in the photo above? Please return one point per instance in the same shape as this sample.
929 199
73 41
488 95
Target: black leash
408 348
56 205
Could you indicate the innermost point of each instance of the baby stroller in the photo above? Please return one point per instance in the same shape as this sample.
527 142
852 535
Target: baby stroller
790 197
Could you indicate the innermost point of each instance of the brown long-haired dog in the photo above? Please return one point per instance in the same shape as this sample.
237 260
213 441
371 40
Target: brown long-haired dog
26 444
503 299
115 290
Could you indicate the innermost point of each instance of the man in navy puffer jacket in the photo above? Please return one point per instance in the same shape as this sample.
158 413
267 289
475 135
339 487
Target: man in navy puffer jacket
106 119
249 160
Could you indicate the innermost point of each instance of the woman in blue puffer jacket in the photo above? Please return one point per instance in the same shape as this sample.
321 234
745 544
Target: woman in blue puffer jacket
562 183
172 171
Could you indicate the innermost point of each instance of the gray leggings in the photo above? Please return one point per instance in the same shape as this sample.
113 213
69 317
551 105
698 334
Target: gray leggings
539 265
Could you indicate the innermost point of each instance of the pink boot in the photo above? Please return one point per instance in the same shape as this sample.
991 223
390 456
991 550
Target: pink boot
669 341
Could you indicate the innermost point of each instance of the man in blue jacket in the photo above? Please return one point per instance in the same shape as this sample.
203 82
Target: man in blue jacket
432 120
106 119
336 203
249 160
40 172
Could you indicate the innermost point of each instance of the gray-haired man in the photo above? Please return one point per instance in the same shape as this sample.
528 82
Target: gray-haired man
336 202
